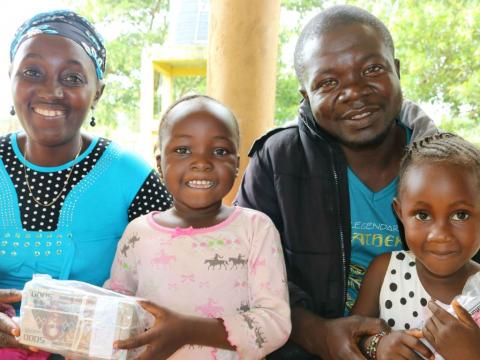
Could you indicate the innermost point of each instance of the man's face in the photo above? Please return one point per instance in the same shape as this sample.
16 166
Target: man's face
352 83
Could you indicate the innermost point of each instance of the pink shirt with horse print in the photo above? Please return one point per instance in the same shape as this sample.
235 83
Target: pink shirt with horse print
234 271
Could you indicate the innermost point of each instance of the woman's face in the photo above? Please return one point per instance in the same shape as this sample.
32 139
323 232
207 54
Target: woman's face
54 85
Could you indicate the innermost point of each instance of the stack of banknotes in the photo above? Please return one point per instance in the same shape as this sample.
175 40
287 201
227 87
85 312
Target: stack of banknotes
78 320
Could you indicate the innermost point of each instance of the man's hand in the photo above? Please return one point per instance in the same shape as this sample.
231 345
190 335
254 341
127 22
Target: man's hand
335 339
453 338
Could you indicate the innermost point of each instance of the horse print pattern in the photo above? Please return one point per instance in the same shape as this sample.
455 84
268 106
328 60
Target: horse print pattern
217 260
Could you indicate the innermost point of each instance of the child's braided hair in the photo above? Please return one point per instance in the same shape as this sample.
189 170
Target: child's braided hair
441 147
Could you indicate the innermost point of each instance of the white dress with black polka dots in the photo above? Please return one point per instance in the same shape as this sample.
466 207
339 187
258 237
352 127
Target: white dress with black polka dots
403 299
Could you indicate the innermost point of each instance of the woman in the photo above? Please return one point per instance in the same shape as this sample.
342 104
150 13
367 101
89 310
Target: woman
65 196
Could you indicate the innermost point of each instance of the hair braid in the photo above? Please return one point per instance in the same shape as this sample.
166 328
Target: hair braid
442 147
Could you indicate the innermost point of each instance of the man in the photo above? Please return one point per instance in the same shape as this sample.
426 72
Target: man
328 182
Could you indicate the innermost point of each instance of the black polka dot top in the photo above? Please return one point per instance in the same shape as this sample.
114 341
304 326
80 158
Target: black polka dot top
403 299
47 186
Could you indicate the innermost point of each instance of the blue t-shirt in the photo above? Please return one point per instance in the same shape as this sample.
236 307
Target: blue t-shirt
374 228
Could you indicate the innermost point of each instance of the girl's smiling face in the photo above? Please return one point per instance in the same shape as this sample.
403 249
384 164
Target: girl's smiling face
199 154
439 206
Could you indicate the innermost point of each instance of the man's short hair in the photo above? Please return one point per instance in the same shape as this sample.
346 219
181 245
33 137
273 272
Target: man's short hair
331 19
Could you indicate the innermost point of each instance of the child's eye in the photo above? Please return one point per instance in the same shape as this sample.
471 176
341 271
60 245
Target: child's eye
182 150
422 216
461 216
220 152
373 69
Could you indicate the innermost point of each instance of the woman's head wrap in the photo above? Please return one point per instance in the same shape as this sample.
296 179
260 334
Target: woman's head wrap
68 24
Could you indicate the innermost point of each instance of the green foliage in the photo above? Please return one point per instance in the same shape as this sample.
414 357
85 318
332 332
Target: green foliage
287 98
186 85
441 53
140 23
302 6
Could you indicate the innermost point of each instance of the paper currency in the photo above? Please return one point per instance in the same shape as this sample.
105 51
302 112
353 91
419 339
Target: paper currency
78 320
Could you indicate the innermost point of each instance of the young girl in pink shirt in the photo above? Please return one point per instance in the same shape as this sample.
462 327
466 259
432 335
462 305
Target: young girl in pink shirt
214 275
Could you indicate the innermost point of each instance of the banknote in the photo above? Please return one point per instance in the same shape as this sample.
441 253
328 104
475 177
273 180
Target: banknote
78 324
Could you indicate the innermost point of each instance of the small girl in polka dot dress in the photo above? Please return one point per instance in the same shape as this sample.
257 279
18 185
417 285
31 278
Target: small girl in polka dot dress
216 273
438 203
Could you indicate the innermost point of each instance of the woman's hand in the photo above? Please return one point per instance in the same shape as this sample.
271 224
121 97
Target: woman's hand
453 338
8 328
162 339
402 345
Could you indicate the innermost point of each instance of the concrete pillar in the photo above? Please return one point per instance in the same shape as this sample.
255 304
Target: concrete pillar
242 54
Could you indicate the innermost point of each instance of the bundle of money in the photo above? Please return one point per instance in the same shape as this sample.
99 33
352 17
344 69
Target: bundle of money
68 319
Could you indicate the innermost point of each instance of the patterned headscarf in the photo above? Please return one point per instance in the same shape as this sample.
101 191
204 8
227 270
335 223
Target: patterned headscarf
68 24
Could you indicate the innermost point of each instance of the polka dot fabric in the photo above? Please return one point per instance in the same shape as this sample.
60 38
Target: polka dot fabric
46 185
403 299
152 196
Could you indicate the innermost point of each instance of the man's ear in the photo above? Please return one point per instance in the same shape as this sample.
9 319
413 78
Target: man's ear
398 208
397 67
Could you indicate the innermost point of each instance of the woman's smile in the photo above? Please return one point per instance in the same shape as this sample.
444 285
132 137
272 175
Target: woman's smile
48 112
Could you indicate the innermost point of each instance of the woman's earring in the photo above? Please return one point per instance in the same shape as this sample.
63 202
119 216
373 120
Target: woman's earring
12 111
236 172
92 120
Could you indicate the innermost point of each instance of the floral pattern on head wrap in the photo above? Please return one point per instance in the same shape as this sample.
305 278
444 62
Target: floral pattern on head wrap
70 25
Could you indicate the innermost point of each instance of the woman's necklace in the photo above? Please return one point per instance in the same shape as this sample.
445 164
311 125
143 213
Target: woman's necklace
64 184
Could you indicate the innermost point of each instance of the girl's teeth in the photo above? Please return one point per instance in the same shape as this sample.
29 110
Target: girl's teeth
200 184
